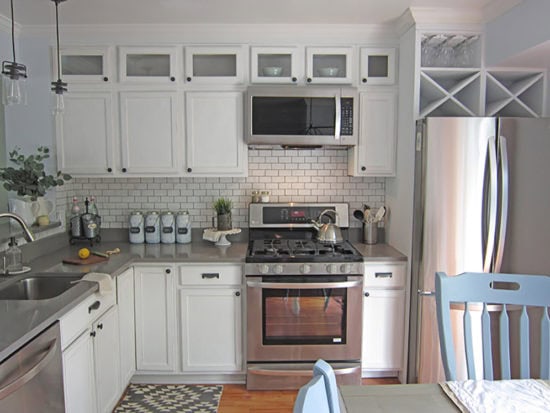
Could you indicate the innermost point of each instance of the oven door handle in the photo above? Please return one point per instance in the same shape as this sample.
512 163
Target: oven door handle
291 372
304 286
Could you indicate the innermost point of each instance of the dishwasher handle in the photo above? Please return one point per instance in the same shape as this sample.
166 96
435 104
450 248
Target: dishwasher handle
23 379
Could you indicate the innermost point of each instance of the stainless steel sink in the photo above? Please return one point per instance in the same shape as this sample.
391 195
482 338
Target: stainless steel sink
37 287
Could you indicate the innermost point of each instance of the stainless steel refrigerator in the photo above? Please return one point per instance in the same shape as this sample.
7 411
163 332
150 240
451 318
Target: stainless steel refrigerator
482 203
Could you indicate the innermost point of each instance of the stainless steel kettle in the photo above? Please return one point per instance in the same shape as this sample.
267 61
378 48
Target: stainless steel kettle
329 233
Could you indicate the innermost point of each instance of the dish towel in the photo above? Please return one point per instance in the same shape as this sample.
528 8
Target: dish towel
485 396
105 281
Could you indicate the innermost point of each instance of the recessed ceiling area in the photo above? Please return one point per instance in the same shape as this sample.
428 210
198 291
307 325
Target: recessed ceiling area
80 12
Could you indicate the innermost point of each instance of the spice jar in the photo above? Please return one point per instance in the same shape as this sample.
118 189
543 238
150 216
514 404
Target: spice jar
264 196
256 196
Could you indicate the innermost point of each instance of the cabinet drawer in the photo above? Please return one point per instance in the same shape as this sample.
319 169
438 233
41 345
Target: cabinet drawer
384 275
82 316
204 275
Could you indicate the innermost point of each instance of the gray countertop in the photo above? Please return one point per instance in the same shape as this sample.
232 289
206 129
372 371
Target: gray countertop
20 321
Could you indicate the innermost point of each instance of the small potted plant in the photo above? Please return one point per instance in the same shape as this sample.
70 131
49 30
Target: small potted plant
223 206
29 180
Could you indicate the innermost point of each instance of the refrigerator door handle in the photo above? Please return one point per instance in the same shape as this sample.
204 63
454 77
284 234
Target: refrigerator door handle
493 194
504 199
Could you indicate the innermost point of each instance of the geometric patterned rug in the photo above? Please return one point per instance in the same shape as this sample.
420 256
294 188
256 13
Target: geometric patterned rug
170 398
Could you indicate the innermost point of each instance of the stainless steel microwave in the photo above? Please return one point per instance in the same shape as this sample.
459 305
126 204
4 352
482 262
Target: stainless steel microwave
298 116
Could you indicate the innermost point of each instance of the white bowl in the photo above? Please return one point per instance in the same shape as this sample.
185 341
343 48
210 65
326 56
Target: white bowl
328 71
272 71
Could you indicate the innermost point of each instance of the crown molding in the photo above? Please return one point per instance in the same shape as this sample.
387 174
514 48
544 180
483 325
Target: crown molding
497 8
446 16
404 22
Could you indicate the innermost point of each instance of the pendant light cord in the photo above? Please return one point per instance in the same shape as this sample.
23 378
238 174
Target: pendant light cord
57 36
12 32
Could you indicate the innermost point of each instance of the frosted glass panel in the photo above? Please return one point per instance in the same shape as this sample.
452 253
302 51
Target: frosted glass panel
268 65
82 65
215 65
147 65
329 65
378 66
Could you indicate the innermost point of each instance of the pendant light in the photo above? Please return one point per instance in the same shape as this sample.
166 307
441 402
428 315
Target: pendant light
13 90
58 86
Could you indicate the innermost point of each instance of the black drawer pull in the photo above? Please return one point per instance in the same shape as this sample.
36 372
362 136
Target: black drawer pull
210 275
94 306
383 275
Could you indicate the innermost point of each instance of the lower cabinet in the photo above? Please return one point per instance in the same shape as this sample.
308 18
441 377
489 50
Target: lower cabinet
126 322
91 361
384 318
156 326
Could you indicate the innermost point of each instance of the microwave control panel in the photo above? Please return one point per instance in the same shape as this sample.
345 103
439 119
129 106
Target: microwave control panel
346 127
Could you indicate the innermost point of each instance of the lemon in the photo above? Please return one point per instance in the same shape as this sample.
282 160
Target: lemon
83 253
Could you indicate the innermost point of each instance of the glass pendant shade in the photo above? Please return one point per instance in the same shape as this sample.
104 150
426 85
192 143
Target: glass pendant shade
58 87
14 74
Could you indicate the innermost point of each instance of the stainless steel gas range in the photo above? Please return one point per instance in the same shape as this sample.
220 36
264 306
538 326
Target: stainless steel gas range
303 297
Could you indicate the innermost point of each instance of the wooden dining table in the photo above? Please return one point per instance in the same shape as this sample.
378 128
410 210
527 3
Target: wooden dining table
409 398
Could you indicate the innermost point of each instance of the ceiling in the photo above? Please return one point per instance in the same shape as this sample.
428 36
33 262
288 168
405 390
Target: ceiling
79 12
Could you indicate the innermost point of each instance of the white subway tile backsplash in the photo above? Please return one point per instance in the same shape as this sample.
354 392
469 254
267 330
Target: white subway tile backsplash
318 175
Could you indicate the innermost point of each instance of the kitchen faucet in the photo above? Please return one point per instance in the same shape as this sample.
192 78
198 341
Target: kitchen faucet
27 232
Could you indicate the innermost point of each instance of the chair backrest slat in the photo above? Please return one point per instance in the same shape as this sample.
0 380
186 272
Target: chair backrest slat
322 368
507 302
312 397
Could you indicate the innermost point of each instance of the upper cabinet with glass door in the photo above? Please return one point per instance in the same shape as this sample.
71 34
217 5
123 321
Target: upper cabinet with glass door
275 65
148 64
377 66
329 65
214 65
84 64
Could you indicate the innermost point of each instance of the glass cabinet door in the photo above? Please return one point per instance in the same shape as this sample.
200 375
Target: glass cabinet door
218 64
329 64
83 64
148 64
274 65
378 66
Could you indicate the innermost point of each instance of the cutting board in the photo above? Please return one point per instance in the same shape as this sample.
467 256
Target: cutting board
92 259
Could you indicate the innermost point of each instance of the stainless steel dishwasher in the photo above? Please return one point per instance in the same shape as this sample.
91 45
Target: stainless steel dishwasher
31 379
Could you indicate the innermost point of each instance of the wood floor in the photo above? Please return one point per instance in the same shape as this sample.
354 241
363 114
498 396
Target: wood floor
236 399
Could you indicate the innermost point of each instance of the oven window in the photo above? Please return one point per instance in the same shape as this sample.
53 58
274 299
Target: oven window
304 316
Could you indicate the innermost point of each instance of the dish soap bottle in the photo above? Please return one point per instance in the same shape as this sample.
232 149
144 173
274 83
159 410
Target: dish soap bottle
14 257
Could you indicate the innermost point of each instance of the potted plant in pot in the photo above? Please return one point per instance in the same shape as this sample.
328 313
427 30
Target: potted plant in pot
223 206
29 180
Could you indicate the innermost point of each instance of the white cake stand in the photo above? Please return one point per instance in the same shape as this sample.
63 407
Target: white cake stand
211 234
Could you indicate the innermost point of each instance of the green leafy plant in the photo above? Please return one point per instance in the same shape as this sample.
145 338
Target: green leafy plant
29 178
223 206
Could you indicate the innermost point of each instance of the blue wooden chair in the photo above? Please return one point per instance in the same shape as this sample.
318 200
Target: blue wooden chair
497 296
320 394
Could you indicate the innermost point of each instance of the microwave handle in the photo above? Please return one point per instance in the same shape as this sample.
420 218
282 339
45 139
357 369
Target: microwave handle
338 117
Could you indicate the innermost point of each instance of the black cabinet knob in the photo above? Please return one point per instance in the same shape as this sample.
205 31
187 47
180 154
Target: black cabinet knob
364 80
168 271
100 326
172 78
105 79
109 169
189 170
238 294
363 168
308 80
294 79
123 169
92 333
189 79
367 294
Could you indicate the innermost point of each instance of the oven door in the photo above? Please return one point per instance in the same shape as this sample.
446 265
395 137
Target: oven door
304 318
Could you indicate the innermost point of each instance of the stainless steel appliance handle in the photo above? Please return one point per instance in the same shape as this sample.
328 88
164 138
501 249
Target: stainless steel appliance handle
504 200
23 379
338 117
304 286
425 293
292 372
493 192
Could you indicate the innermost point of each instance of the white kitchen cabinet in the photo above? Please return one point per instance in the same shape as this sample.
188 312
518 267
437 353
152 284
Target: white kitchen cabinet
126 322
384 316
378 66
214 65
210 311
376 150
78 375
156 325
158 65
326 65
85 138
215 142
84 64
276 65
150 135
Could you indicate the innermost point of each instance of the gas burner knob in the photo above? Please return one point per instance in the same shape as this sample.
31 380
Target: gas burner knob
332 268
277 269
345 268
263 268
305 269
